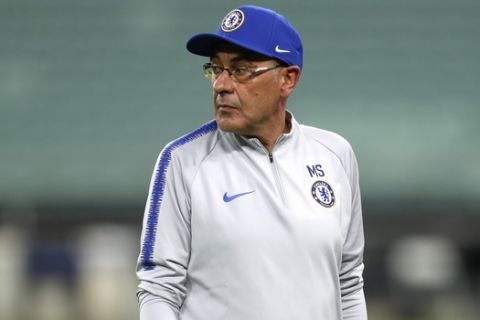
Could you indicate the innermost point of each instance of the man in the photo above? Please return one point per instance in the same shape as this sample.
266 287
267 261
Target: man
253 216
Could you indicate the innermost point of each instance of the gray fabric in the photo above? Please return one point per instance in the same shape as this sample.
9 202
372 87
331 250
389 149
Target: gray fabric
271 254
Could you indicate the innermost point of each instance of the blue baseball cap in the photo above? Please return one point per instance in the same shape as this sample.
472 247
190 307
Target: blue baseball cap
256 29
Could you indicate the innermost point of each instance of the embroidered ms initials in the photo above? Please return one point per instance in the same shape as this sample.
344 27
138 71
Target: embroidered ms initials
315 170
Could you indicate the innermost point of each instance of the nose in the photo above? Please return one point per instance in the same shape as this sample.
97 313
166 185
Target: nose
223 83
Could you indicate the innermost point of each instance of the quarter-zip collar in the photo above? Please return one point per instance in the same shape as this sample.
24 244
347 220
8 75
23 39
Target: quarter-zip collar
282 141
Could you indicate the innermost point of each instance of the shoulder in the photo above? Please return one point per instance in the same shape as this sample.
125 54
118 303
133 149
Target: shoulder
330 140
193 145
178 160
337 145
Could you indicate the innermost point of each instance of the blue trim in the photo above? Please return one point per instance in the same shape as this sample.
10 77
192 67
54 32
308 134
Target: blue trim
158 190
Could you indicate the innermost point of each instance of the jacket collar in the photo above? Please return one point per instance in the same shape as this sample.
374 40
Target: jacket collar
282 141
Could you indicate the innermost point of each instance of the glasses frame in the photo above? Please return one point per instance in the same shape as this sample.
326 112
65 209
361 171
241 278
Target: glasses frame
252 71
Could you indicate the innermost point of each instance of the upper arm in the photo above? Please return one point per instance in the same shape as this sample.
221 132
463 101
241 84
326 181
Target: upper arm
351 272
165 242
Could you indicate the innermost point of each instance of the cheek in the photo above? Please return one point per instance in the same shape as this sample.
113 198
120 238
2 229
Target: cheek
252 95
263 98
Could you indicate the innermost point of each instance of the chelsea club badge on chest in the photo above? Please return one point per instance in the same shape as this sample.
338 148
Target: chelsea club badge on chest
323 194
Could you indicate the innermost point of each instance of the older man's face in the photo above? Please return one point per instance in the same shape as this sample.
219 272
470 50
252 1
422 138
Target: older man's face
245 107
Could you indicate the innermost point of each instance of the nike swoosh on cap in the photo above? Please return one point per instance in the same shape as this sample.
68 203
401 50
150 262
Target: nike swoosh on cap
277 49
227 198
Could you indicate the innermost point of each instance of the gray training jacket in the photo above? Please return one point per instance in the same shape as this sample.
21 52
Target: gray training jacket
232 232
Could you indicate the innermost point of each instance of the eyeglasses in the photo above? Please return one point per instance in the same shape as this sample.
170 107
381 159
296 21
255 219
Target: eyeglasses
239 74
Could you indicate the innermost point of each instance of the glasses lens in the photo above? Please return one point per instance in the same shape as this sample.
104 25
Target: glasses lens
239 74
208 70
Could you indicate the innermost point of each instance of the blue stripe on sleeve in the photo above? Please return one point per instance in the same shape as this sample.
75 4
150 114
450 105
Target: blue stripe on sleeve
158 190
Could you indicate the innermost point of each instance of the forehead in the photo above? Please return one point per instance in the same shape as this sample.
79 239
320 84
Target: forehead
236 53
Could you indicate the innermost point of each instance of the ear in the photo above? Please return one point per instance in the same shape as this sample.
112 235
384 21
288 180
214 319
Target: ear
290 77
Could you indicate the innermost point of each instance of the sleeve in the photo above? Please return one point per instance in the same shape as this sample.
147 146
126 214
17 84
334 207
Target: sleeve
351 270
165 242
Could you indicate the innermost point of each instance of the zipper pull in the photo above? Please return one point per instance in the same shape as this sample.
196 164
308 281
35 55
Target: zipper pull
270 156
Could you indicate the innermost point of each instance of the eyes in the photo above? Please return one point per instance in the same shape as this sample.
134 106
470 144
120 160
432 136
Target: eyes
234 71
239 73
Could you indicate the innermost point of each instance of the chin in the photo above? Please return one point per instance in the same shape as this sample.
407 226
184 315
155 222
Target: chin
228 125
225 126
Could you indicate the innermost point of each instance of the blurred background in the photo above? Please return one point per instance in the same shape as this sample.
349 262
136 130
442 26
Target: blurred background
90 91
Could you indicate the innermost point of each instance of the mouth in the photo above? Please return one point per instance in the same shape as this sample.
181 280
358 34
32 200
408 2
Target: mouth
225 107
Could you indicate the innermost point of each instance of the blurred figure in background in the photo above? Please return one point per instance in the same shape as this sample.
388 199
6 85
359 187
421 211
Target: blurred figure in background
253 216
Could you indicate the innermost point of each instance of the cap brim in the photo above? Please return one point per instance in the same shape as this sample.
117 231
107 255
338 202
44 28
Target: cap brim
203 44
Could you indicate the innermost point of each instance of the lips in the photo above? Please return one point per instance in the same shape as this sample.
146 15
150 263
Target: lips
224 105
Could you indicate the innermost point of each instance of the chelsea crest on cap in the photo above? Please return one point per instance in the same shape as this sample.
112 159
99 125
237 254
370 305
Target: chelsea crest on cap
233 20
257 29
